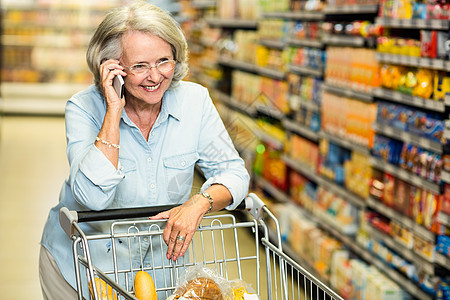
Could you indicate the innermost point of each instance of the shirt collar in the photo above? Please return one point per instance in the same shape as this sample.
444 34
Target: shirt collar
171 103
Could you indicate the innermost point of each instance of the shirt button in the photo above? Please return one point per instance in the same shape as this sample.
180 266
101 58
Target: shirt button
153 133
149 159
152 186
146 239
183 163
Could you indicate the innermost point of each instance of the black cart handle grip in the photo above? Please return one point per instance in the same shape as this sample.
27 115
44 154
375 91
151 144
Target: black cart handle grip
129 213
252 203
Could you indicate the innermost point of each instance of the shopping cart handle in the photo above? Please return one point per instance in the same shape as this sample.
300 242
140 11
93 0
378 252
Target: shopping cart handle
252 203
122 213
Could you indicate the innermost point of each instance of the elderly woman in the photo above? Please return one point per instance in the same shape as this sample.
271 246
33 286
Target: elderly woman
140 150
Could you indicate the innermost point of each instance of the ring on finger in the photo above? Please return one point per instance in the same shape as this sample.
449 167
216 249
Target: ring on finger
180 238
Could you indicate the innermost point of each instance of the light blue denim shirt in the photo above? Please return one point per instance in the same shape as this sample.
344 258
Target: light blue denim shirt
159 171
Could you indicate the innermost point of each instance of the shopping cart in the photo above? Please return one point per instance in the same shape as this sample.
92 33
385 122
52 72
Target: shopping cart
221 243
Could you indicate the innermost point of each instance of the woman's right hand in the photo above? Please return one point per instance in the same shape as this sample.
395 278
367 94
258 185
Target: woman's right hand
108 70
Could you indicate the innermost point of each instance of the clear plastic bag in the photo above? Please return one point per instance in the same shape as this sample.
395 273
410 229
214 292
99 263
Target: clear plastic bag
201 283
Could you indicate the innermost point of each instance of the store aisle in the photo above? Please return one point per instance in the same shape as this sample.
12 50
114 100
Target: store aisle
33 166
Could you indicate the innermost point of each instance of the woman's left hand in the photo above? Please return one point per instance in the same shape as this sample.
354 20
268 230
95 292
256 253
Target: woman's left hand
182 223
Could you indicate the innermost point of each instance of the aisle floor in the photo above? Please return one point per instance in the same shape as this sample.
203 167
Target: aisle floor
33 166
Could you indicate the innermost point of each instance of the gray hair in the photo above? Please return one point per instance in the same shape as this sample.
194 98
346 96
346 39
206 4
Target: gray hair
106 43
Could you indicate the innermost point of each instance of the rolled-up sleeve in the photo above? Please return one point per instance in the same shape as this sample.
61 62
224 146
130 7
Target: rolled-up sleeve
95 183
93 178
100 170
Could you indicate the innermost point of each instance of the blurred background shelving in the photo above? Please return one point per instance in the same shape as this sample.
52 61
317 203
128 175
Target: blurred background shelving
315 82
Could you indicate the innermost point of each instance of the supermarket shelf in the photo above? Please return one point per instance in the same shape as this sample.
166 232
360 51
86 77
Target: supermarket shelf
245 108
296 15
341 191
276 143
403 251
445 176
299 129
60 6
41 90
444 218
345 40
398 217
383 267
275 44
347 92
413 23
33 107
204 4
413 61
442 260
387 270
307 104
274 74
58 26
269 111
239 65
232 23
344 143
44 41
351 243
305 71
304 263
304 43
350 9
403 98
447 100
407 137
405 175
251 68
276 193
301 168
47 99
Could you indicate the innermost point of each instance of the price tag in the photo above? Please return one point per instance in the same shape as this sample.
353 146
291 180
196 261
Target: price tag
420 23
438 64
396 96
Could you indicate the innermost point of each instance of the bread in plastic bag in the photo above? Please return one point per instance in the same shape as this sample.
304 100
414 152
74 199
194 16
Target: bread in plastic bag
201 283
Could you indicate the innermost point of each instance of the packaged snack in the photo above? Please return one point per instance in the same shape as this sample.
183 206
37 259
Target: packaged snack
441 85
240 290
401 199
389 189
426 42
408 81
434 129
425 83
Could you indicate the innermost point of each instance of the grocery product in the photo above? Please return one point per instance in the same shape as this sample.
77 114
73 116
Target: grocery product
104 291
144 287
353 68
349 118
199 288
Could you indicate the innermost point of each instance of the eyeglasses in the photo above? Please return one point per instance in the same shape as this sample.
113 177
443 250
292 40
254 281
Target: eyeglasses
163 67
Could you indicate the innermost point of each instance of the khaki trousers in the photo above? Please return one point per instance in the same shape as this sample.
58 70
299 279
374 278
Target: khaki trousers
53 284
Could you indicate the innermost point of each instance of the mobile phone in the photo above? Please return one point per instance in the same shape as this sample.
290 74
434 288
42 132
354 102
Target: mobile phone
118 85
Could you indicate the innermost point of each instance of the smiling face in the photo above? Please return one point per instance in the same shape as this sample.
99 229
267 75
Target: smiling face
144 48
